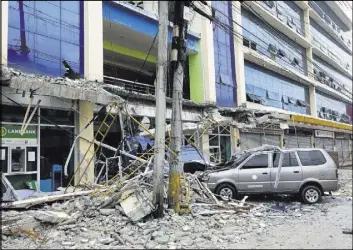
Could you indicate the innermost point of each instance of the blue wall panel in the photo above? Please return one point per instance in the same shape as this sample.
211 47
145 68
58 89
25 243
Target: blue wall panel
119 14
50 32
223 42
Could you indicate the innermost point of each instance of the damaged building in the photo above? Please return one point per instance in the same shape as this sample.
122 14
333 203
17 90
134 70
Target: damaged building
65 63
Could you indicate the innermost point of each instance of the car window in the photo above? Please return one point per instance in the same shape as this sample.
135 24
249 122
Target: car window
257 161
289 160
313 157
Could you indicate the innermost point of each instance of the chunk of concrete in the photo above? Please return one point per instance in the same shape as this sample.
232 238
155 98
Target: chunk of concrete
137 205
51 216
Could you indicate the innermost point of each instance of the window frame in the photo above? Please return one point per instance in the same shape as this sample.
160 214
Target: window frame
311 151
286 152
252 156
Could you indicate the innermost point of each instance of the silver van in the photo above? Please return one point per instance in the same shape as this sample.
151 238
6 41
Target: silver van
308 172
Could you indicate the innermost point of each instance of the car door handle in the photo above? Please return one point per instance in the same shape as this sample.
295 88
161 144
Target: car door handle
296 172
265 173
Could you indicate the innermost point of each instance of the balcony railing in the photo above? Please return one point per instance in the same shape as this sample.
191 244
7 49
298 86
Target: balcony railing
130 85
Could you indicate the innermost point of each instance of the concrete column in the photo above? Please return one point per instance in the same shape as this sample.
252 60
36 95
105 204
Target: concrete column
281 140
86 110
205 145
239 54
93 40
4 30
306 23
235 135
207 53
93 70
312 101
350 149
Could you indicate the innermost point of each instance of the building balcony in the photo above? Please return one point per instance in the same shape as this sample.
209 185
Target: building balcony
318 15
280 22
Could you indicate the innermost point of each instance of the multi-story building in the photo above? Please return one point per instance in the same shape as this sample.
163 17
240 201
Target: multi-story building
288 58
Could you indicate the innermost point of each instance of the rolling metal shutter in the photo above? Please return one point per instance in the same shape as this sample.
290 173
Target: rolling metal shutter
271 140
249 140
342 147
292 141
325 143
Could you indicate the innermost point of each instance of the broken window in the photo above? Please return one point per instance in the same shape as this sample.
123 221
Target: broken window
292 100
270 4
252 98
260 92
281 53
301 103
225 79
272 95
285 99
289 160
280 15
272 49
257 161
295 62
246 42
290 21
220 144
253 45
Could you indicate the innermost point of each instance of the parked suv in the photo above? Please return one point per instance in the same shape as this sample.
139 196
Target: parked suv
308 172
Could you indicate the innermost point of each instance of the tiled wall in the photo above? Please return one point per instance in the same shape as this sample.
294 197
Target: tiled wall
257 31
260 80
224 56
53 32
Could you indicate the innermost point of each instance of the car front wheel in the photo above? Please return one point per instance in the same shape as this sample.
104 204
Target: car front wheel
311 194
226 192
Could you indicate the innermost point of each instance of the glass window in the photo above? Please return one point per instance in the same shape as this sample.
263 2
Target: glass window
313 157
289 160
257 161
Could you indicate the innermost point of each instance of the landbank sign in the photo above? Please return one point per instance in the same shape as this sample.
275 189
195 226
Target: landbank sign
11 134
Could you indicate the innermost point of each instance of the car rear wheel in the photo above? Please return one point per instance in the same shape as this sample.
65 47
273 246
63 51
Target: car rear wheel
311 194
226 191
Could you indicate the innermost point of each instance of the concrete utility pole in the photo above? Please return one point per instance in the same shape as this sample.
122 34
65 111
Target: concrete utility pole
159 151
178 58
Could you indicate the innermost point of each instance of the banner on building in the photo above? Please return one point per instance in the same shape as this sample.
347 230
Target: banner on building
10 134
323 133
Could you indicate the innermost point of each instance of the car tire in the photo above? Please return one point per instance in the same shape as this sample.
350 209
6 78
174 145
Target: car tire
226 190
311 194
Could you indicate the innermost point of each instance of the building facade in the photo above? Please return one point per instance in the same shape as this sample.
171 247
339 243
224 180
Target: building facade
292 58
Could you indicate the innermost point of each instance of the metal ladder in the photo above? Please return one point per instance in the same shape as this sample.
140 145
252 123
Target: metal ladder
90 153
184 206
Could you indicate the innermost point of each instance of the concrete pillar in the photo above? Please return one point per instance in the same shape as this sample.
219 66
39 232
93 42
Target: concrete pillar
86 112
239 54
312 101
93 40
306 23
281 144
350 149
4 30
235 136
207 53
93 70
205 145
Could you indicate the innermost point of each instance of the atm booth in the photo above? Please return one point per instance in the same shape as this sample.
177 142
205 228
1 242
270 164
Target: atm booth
19 158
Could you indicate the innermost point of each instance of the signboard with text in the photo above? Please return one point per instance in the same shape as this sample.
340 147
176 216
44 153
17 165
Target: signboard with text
11 134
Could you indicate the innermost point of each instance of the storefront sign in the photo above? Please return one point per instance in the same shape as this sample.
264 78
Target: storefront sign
11 134
323 133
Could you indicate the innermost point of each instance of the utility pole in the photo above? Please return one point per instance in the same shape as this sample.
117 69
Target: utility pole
178 58
159 151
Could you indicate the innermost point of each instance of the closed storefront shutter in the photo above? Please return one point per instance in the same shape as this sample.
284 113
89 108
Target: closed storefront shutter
292 141
271 140
342 147
249 140
325 143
